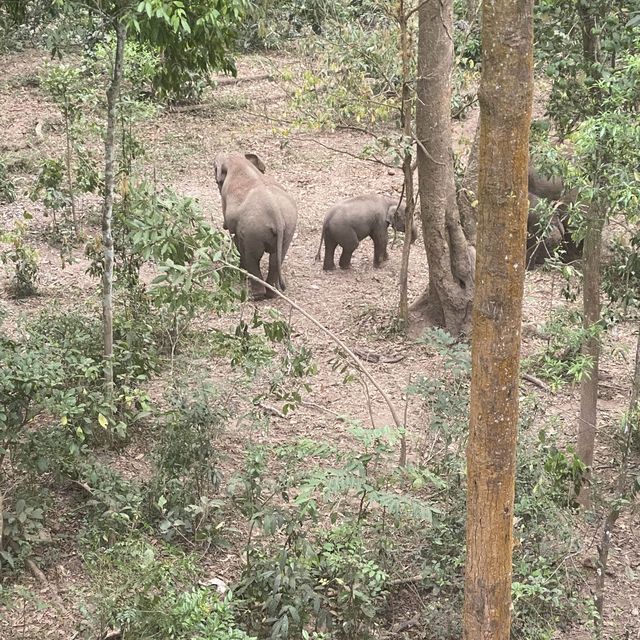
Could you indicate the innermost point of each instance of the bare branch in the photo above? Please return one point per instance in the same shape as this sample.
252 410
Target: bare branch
354 358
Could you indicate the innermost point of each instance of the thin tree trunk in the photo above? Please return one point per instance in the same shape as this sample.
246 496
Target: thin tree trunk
506 92
591 310
468 192
448 300
113 93
406 119
69 174
622 490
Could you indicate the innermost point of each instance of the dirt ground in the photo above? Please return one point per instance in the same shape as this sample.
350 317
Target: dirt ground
357 305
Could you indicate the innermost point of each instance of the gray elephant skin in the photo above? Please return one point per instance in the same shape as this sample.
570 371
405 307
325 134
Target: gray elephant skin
541 243
353 220
259 214
551 189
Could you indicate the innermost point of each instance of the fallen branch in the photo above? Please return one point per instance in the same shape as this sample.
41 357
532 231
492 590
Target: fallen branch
319 407
35 571
225 82
398 582
271 410
533 380
374 357
399 627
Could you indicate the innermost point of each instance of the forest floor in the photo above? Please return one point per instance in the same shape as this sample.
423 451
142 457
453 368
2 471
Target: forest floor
359 306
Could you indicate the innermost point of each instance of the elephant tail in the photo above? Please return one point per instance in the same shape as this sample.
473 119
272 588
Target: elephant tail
280 252
318 255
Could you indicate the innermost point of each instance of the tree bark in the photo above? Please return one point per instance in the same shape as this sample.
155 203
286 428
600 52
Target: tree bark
505 95
447 302
591 311
468 192
406 113
113 93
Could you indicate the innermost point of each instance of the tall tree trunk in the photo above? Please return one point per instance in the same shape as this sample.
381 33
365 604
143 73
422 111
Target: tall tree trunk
591 263
406 113
506 92
447 302
113 93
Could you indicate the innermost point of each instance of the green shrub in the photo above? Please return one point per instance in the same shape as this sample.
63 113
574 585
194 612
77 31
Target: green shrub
148 592
621 277
170 232
74 340
545 591
303 572
23 258
562 360
186 478
7 186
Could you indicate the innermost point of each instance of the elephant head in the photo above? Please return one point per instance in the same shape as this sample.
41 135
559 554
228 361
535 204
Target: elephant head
395 219
223 161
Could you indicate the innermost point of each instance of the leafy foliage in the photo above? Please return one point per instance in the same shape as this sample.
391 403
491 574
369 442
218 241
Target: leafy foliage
148 593
186 476
192 39
545 592
22 257
7 186
329 579
170 232
621 278
562 360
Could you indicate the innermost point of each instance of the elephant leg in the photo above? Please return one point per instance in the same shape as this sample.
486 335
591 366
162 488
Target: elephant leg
347 252
273 277
252 262
329 253
380 239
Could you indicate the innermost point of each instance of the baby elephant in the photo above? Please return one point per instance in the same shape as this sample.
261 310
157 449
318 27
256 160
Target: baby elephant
352 220
258 213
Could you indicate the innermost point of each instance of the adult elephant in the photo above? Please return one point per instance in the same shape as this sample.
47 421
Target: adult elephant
259 214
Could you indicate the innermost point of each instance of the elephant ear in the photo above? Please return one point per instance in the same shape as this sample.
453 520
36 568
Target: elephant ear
255 161
220 170
391 215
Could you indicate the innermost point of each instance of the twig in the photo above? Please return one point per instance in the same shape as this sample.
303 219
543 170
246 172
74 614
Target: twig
399 627
84 486
533 380
315 405
272 410
374 357
224 82
344 152
402 581
35 571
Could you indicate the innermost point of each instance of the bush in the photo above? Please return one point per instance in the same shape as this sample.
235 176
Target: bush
23 258
186 476
7 186
170 232
148 592
562 360
74 341
305 572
